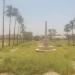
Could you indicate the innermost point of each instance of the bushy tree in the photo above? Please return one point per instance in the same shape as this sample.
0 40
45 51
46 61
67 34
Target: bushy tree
37 38
28 36
52 33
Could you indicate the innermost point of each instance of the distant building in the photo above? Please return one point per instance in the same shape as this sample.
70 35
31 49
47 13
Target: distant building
60 37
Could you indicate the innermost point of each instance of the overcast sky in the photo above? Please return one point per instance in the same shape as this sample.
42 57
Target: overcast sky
36 12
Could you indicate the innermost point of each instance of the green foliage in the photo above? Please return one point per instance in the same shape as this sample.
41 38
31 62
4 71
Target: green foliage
9 11
52 33
37 38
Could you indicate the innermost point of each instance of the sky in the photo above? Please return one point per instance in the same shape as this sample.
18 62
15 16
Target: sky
35 12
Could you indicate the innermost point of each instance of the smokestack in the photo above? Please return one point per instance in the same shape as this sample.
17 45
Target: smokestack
45 30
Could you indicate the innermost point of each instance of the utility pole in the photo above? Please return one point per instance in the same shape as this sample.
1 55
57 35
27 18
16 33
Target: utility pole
3 23
46 37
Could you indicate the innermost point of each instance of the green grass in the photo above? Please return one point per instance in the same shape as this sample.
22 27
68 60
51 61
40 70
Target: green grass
26 61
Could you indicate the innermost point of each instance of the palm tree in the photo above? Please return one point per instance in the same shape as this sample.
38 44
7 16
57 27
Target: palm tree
22 31
15 14
72 28
3 23
18 35
20 22
9 14
67 30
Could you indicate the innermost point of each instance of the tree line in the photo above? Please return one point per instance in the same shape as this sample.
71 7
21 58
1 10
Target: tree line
69 30
13 12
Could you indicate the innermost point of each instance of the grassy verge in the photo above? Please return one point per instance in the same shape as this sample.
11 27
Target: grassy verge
26 61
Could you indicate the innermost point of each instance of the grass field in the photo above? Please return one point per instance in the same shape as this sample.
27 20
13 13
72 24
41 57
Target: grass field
24 60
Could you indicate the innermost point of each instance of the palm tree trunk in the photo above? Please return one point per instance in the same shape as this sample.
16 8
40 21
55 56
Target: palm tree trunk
72 36
68 39
3 23
14 33
18 36
9 30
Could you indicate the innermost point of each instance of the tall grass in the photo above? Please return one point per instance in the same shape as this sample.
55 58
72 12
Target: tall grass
26 61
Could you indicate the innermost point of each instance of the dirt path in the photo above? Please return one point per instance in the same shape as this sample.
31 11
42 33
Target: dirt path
51 73
6 74
14 49
73 64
